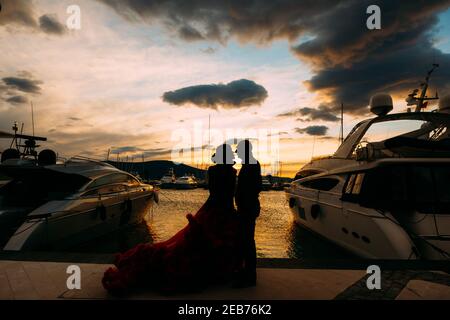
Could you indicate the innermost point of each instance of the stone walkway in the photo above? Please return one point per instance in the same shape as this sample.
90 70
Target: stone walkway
47 280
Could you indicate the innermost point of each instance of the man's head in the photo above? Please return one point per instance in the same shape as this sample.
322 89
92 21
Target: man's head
244 151
223 155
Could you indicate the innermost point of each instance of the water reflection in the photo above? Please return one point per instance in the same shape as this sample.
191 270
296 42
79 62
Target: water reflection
277 236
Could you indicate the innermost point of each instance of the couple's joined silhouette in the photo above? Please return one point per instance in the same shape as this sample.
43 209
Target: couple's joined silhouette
216 246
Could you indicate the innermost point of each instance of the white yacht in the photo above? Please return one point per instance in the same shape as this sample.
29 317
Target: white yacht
186 182
385 192
49 205
168 180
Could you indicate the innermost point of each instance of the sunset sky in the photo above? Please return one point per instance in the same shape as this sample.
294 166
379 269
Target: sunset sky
138 74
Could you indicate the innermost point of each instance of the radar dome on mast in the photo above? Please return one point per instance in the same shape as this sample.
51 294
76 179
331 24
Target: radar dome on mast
381 104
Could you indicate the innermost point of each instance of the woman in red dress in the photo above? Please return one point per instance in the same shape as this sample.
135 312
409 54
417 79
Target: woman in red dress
202 253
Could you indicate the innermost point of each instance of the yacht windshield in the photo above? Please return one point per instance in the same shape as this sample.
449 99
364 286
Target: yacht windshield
381 131
419 136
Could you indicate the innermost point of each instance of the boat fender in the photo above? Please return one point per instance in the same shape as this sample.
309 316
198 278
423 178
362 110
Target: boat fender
292 202
126 214
315 211
156 196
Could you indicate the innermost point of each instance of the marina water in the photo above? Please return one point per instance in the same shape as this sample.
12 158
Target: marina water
277 236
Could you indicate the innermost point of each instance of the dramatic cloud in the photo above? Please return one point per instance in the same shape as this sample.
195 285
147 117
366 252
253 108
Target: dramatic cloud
127 149
259 21
349 62
236 94
23 84
17 12
50 24
17 100
22 13
322 113
189 33
313 130
352 63
14 90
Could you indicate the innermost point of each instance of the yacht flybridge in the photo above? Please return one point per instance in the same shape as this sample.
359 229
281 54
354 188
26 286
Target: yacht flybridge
50 204
385 192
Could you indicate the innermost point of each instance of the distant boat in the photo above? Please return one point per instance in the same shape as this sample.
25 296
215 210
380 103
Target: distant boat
266 185
277 186
186 182
168 180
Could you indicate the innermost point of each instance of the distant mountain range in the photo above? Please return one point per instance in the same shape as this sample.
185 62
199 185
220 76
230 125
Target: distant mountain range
154 170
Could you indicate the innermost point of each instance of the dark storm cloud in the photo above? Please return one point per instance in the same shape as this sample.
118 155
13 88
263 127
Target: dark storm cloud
322 113
353 63
236 94
22 13
17 100
313 130
349 62
258 20
189 33
50 24
23 84
18 12
125 149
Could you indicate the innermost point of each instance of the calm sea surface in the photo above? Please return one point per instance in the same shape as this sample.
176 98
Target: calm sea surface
277 236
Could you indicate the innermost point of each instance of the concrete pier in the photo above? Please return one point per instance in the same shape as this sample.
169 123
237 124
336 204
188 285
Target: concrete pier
277 279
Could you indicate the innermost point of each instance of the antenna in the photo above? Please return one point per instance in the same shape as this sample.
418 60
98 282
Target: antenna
342 123
32 116
313 146
209 136
422 101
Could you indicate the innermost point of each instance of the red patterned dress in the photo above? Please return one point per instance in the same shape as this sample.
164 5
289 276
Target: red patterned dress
202 253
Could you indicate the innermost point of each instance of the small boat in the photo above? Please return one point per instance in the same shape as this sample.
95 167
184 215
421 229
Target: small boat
384 194
266 185
55 205
168 180
277 186
186 182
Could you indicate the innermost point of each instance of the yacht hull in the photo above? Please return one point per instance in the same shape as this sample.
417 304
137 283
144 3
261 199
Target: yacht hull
367 235
69 228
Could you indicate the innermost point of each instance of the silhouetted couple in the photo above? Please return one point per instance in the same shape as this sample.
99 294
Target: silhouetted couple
222 182
217 245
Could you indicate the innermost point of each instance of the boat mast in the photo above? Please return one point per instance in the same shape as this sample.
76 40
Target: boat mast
342 123
422 101
32 116
209 136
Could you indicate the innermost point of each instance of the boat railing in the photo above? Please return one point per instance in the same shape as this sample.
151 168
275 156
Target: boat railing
83 159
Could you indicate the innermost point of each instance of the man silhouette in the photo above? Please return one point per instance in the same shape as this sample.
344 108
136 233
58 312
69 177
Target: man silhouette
248 208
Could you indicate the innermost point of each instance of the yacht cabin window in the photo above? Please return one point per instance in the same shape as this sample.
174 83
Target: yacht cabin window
322 184
109 179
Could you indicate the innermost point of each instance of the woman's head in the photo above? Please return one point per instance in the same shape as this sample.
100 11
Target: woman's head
224 155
